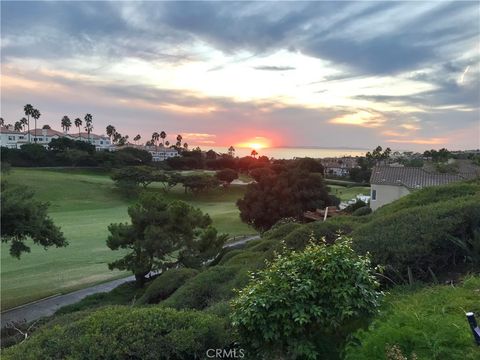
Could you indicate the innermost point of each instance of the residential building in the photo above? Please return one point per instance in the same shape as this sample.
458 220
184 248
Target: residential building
101 142
389 183
338 166
159 153
11 138
15 139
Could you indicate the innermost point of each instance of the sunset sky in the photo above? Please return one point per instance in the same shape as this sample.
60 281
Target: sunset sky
333 74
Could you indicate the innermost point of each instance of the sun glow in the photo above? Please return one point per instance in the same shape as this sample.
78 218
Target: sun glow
256 143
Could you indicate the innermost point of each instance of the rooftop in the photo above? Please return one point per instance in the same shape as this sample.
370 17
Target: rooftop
414 177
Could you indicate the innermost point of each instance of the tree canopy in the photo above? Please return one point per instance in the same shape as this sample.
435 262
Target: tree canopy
24 218
286 194
158 229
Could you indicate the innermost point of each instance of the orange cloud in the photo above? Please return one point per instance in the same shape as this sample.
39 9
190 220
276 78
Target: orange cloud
419 141
410 126
200 138
361 118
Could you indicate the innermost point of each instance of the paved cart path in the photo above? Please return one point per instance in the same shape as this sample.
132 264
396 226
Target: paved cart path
48 306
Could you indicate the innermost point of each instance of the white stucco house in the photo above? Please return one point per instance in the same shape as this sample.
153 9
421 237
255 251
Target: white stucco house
15 139
11 138
159 153
389 183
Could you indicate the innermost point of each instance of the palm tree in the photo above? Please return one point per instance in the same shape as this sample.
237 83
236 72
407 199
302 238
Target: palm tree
18 126
66 123
28 109
78 124
88 125
2 122
46 126
116 137
179 138
36 115
23 122
185 146
163 135
155 137
136 138
111 131
254 153
167 143
231 151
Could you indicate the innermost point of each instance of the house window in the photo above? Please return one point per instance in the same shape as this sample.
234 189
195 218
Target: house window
21 137
101 142
374 195
11 138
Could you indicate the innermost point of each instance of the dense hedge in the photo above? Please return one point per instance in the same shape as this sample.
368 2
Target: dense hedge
429 324
209 287
164 285
128 333
424 241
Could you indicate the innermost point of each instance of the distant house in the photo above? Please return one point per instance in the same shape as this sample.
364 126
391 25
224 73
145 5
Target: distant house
338 166
159 153
389 183
11 138
15 139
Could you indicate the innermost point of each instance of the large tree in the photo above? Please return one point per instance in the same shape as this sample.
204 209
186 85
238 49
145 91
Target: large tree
24 218
157 230
286 194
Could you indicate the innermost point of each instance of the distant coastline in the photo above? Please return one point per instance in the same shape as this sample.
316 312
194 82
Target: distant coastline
294 151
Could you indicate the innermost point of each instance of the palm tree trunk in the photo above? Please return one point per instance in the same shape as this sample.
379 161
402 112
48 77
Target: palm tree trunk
28 126
35 136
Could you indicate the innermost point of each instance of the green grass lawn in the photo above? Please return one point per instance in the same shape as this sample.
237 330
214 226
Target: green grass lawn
83 203
348 193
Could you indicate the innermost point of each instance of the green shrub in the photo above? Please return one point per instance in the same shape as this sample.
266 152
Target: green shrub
165 285
246 258
365 210
128 333
263 245
424 241
305 303
279 231
429 324
229 254
209 287
124 294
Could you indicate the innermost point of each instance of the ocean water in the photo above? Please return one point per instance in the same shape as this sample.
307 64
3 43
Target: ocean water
291 153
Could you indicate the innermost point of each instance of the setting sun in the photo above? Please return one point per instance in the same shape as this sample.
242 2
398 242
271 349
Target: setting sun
257 143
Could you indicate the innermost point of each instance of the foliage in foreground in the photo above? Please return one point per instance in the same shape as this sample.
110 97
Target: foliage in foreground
127 333
429 324
24 217
305 303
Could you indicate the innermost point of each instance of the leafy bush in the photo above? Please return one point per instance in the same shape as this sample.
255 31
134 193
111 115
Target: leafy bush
128 333
305 303
357 205
124 294
165 285
209 287
429 324
424 241
362 211
251 258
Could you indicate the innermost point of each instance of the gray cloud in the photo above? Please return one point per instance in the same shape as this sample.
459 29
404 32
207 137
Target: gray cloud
274 68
